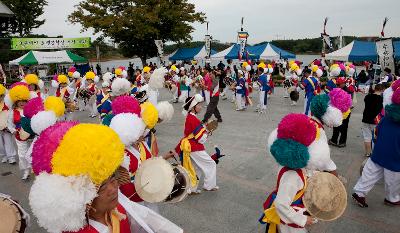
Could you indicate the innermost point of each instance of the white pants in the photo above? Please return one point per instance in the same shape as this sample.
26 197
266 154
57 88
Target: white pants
81 104
240 101
184 95
261 105
152 206
25 159
305 107
371 174
92 106
175 94
207 166
7 146
207 96
287 229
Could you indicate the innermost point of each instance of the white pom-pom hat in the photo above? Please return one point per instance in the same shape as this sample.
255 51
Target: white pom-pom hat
165 111
120 86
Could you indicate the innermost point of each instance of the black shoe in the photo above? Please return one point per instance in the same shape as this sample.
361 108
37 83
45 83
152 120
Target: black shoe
219 120
341 145
330 142
360 200
389 203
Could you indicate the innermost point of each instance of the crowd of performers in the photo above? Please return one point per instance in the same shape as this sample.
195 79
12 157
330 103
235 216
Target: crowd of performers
85 173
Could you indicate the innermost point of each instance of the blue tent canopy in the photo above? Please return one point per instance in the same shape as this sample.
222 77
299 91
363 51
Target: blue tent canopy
396 47
184 54
265 51
355 51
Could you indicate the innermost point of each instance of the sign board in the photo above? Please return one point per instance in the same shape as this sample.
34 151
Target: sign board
242 39
49 43
208 45
385 53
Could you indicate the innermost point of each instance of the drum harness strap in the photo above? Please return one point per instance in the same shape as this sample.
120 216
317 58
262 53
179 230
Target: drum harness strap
25 215
270 215
186 149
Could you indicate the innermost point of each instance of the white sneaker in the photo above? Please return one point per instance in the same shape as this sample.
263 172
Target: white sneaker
27 172
4 160
12 160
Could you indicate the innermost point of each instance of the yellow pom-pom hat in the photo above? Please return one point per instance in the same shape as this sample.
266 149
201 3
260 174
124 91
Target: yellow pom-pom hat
118 71
55 104
31 79
62 78
149 114
146 69
90 75
71 162
19 91
2 90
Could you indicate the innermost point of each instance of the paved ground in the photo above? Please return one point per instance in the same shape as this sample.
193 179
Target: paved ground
247 174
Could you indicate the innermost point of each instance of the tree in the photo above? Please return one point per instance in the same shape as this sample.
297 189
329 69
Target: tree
26 15
135 24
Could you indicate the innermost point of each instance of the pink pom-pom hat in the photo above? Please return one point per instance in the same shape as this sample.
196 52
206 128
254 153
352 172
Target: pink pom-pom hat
396 97
33 106
47 144
396 85
297 127
72 69
18 84
125 104
340 99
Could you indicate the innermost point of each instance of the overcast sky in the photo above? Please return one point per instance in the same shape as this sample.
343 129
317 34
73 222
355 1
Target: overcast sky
264 20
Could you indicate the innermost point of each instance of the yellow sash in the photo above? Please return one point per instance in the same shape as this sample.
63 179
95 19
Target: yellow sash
271 216
115 217
187 163
142 151
311 82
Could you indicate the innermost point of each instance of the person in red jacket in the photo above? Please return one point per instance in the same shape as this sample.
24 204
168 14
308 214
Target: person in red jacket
191 147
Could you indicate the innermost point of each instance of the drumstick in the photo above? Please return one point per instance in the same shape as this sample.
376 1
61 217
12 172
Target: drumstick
136 191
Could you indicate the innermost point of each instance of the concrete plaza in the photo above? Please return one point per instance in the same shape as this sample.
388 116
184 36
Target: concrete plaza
246 174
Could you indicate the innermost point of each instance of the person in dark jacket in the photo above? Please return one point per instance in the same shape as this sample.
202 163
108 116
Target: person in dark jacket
385 159
342 129
373 106
212 107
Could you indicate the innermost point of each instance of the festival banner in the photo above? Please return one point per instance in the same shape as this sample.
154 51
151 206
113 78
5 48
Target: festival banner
49 43
160 47
208 45
385 52
242 40
327 40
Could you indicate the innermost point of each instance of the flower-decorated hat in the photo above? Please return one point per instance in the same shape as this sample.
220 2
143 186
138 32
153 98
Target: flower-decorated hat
298 143
34 79
331 108
39 114
125 119
90 75
59 79
71 161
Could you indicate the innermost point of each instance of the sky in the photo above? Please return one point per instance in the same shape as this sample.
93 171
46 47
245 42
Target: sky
265 20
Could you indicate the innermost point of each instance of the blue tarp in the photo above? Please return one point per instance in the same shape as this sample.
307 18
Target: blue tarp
184 54
363 51
396 47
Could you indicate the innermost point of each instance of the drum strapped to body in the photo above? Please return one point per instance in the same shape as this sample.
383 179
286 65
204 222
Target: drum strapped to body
13 218
156 180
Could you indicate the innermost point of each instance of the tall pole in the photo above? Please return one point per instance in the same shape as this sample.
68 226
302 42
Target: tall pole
341 37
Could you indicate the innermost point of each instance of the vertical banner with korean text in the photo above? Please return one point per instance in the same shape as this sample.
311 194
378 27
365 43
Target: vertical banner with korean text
385 52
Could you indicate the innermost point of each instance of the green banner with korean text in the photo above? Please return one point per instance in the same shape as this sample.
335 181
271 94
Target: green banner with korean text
49 43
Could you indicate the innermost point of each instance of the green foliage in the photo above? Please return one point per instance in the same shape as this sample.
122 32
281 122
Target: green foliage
26 15
135 24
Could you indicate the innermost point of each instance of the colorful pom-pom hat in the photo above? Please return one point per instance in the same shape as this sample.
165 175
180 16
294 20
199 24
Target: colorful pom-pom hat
125 119
39 114
330 109
59 79
19 91
71 161
298 142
